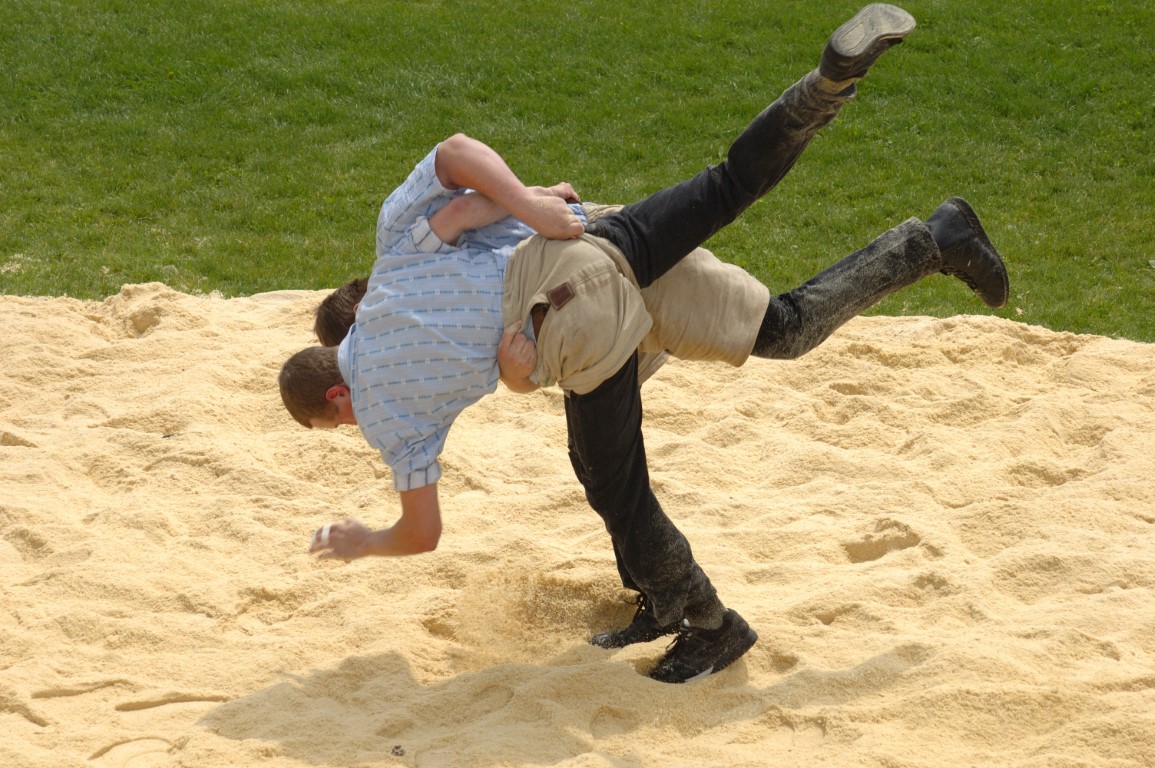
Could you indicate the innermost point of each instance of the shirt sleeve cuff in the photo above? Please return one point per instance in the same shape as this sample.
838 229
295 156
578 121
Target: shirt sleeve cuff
417 479
424 240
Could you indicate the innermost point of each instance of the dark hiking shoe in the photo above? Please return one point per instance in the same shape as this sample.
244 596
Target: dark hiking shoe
696 653
859 42
642 629
967 252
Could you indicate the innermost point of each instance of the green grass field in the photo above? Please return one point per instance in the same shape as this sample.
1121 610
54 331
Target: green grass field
245 145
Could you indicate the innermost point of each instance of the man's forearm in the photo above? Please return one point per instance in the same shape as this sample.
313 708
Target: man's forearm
522 386
467 163
394 542
470 211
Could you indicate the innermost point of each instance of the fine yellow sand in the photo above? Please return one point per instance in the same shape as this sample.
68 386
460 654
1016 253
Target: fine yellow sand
943 530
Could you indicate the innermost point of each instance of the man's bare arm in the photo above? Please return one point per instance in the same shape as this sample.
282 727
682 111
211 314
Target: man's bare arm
461 214
474 211
463 162
418 530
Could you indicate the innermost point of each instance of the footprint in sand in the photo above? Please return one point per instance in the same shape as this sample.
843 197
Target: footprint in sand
487 701
797 737
888 536
613 721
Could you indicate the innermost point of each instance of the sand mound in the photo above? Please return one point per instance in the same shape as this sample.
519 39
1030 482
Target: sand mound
944 531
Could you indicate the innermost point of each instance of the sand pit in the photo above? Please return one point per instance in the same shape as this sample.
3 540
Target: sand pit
944 531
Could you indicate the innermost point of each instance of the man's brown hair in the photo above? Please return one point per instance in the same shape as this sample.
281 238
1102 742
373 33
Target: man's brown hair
305 379
338 310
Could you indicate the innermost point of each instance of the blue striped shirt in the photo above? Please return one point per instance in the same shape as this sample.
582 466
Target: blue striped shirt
424 346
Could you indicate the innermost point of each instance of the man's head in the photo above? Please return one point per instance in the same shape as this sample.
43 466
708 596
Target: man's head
313 390
337 312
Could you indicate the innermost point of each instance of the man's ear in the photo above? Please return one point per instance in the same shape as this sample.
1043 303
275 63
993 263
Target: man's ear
335 391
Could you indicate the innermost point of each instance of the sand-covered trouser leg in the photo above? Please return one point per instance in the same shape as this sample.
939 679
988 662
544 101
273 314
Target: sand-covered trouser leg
655 233
798 321
605 435
609 458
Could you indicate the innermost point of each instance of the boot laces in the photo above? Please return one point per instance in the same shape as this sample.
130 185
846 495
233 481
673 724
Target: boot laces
684 636
643 604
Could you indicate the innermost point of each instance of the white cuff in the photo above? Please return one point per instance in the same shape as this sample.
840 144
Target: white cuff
424 239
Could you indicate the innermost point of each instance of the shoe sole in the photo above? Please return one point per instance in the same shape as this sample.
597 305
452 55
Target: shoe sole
872 25
973 220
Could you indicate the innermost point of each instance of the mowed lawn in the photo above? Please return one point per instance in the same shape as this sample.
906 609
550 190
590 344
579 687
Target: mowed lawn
245 146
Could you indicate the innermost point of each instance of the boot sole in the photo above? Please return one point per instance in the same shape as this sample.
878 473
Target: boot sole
973 220
874 24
